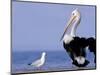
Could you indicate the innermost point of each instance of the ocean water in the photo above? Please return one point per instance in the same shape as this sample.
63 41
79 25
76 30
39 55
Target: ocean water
55 61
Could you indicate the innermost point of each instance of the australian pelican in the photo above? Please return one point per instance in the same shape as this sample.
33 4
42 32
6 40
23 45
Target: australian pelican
74 45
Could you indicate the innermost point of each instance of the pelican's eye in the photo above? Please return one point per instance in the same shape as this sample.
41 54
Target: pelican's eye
73 13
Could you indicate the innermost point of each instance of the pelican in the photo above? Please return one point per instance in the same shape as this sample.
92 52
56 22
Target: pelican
74 45
39 62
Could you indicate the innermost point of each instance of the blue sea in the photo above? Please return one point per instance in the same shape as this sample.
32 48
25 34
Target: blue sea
55 61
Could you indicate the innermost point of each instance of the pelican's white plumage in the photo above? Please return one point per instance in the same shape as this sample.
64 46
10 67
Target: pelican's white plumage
80 60
67 39
39 62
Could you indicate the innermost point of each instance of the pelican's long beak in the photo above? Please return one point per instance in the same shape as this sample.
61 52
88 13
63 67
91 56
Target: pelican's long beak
69 24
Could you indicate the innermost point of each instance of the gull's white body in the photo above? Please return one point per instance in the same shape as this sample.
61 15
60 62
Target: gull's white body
40 62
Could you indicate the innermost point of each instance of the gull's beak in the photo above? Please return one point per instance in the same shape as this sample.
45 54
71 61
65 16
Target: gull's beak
69 24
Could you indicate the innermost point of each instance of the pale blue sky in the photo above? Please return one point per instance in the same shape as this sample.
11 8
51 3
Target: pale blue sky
39 26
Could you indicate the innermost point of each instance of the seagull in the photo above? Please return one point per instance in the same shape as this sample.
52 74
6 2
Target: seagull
39 62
